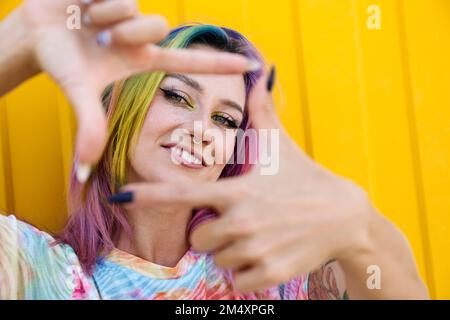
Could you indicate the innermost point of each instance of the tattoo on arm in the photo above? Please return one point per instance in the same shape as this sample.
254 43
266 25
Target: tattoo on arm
322 284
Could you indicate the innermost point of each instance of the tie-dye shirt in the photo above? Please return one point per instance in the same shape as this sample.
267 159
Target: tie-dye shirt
31 267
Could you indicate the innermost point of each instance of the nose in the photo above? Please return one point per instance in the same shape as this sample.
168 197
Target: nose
200 130
203 138
197 140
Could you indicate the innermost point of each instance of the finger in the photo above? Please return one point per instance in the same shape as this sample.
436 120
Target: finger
274 270
235 223
216 234
245 221
202 241
138 31
260 105
193 61
249 250
219 195
91 131
104 13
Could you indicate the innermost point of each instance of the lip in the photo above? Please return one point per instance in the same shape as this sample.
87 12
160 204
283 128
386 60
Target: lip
180 160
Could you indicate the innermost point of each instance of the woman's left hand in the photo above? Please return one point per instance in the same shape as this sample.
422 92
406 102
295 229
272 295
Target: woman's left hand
273 227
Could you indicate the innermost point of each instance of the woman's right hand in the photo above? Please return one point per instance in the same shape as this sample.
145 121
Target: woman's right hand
113 42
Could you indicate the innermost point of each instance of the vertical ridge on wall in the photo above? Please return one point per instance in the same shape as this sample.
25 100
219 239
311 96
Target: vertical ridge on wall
388 144
329 53
180 11
170 9
67 128
267 24
6 194
417 167
302 83
3 170
230 15
361 94
36 164
427 27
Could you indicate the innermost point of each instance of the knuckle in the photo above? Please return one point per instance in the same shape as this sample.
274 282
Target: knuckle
251 251
243 191
152 54
220 262
128 7
160 25
231 231
239 225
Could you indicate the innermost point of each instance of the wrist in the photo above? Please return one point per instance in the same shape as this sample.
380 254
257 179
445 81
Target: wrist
17 58
364 242
368 248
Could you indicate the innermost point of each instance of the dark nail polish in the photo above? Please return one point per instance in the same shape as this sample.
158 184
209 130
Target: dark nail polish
121 197
271 79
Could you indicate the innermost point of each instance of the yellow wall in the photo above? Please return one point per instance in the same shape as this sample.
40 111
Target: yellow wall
373 105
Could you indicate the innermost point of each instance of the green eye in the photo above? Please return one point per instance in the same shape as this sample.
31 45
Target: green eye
225 120
176 98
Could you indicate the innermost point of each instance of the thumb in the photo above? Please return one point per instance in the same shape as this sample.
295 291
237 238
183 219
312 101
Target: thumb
91 129
261 110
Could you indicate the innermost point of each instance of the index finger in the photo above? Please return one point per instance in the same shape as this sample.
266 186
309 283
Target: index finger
196 61
218 195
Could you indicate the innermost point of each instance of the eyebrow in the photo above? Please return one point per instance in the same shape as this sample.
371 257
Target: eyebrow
196 86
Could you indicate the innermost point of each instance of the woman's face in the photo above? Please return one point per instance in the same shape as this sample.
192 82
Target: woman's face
169 149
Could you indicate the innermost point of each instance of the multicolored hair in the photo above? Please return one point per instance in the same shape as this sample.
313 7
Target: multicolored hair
94 225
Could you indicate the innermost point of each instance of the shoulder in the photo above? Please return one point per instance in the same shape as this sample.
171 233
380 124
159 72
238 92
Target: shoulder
31 243
44 269
19 235
13 229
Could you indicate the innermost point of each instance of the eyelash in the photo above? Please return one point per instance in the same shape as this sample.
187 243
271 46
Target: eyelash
176 97
227 121
179 99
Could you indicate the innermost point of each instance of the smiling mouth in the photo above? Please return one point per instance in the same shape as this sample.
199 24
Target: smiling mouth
184 157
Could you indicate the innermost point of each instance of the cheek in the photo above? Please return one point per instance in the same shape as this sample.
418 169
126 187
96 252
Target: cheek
160 119
156 123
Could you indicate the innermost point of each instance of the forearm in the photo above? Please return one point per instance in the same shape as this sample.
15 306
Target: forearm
17 63
391 255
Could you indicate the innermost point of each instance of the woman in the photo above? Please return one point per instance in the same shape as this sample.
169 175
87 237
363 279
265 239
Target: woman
103 250
137 244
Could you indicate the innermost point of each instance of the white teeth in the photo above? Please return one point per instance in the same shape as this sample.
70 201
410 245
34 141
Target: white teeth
186 156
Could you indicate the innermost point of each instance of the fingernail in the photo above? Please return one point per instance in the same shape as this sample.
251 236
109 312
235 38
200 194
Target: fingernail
121 197
271 79
83 171
86 2
87 19
104 38
253 65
